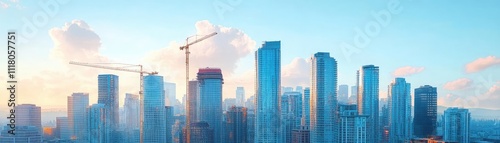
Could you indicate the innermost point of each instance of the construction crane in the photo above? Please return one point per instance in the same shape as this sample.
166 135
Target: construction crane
186 48
125 67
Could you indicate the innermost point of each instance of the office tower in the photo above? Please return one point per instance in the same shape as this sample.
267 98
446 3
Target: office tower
193 97
228 103
154 105
23 134
62 128
267 90
108 95
323 98
250 126
399 111
456 125
353 99
343 94
210 106
200 133
425 116
169 93
384 123
367 83
291 104
286 127
132 111
98 129
236 125
77 117
352 127
29 115
299 89
169 122
306 112
240 96
250 103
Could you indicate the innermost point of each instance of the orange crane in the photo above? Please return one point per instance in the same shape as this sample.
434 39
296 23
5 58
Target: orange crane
125 67
186 48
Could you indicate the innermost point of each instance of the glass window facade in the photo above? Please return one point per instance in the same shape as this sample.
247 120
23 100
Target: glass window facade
154 128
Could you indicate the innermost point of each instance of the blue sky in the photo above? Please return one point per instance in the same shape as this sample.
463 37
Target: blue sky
437 37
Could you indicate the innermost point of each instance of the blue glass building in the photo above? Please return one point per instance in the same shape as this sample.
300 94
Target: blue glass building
306 106
323 98
96 124
400 111
424 121
108 95
154 128
210 99
368 90
77 105
267 90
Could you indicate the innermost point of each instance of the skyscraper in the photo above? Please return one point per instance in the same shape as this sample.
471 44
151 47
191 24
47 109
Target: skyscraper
193 97
323 98
306 112
352 127
201 133
250 126
210 103
240 96
236 125
456 125
353 99
400 111
132 111
343 94
98 129
108 95
29 115
154 105
77 105
368 90
291 104
424 122
267 90
62 128
301 135
170 93
169 122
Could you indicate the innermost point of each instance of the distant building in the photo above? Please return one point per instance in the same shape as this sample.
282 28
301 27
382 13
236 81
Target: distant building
236 125
63 131
250 126
169 122
353 99
170 93
193 99
29 115
343 94
301 135
23 134
291 114
250 103
201 133
267 90
400 111
77 117
98 130
456 125
240 96
352 127
306 110
323 99
228 103
425 116
154 128
210 103
108 89
132 111
368 96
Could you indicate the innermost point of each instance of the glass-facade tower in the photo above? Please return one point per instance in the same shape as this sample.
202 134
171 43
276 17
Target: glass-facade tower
425 116
154 128
368 91
210 99
399 111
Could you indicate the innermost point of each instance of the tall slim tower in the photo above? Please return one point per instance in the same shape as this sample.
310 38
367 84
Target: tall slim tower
267 89
193 99
368 90
456 125
154 128
29 115
236 125
352 127
108 95
169 122
170 93
400 111
323 98
97 128
240 96
132 111
210 103
77 105
343 94
306 106
424 122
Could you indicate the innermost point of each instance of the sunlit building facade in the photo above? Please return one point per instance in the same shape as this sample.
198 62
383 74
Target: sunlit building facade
368 96
210 103
154 128
399 111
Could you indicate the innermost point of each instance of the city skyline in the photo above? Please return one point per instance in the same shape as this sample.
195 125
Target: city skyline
460 77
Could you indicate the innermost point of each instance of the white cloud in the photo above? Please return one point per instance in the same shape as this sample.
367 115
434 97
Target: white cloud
407 71
296 73
458 84
481 64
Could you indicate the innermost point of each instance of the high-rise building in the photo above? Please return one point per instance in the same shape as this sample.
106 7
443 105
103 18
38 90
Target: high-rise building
353 99
201 133
169 122
456 123
250 126
343 94
306 112
170 92
193 99
154 105
62 128
384 123
177 131
98 130
77 117
267 89
236 125
228 103
425 116
399 111
108 95
352 127
23 134
368 90
210 103
240 96
291 104
250 103
29 115
323 98
132 111
301 135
